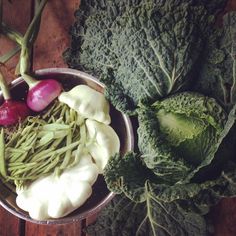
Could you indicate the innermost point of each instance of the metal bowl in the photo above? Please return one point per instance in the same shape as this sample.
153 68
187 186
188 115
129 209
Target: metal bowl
120 122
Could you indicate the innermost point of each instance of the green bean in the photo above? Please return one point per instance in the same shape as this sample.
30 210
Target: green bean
63 111
52 109
64 149
3 170
23 157
52 120
51 166
39 149
56 111
37 170
14 156
19 165
55 127
27 129
15 150
57 171
68 152
29 143
17 178
24 138
41 154
59 120
46 139
79 151
67 116
13 139
15 164
24 168
9 155
80 120
71 116
57 142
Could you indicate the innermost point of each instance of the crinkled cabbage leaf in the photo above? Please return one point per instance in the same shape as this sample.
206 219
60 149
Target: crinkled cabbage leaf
182 134
159 164
141 50
217 76
177 210
162 186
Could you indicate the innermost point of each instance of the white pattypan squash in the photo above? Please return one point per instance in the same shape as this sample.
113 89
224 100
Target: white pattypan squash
87 102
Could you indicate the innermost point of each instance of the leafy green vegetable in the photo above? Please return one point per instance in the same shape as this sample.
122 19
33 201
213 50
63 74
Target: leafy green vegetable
177 210
161 181
218 76
181 134
149 218
128 182
142 50
131 182
147 53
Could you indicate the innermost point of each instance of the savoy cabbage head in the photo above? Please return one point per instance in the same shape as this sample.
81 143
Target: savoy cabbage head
180 139
186 165
181 134
141 50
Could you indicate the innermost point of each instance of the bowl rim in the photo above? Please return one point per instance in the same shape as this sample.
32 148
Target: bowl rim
107 199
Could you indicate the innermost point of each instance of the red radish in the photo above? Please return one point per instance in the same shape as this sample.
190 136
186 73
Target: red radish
11 111
42 93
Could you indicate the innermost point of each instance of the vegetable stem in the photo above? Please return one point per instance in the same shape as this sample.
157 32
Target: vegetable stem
25 66
4 88
33 29
27 41
11 34
29 80
6 57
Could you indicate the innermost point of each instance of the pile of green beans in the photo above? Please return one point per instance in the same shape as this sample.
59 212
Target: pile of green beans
41 145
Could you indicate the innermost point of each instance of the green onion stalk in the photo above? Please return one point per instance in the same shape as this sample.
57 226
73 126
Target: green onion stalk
41 92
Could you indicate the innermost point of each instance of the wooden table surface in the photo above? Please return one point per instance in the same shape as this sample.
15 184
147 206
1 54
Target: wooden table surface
52 41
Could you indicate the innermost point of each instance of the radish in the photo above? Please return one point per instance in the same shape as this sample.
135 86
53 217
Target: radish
11 111
41 93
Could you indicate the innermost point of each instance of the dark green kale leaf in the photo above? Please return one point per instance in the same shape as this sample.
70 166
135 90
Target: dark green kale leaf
141 50
218 74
